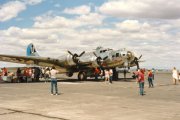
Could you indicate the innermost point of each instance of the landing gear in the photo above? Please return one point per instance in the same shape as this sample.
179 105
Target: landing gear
115 74
82 75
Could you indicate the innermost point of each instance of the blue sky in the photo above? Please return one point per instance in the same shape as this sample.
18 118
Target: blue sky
25 18
147 27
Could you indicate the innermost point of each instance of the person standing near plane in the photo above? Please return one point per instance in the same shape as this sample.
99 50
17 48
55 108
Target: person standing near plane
47 74
124 74
110 75
175 75
37 72
153 73
53 74
4 71
106 75
96 73
150 78
141 81
18 74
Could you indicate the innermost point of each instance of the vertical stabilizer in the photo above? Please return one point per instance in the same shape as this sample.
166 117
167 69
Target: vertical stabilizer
31 51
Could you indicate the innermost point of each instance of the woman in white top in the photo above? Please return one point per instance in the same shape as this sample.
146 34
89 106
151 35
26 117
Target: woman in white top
106 75
175 75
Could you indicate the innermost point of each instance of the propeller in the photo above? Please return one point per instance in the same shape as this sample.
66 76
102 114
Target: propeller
75 56
105 58
99 59
136 61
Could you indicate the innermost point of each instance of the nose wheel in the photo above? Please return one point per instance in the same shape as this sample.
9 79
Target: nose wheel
82 75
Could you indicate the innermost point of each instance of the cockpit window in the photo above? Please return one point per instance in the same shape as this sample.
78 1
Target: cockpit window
103 51
117 54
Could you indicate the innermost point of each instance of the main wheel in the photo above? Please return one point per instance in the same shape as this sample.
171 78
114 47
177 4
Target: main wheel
82 75
69 74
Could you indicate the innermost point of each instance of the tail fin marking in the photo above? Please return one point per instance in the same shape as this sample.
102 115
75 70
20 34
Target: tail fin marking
31 51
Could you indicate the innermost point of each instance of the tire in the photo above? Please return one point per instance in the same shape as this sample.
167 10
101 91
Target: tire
69 74
82 75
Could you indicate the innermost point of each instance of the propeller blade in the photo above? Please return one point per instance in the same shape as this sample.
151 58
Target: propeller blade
136 62
140 57
141 61
137 65
95 54
70 53
105 58
81 53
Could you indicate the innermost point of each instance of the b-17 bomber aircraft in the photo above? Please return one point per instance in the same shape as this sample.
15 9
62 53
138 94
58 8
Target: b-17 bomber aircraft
84 63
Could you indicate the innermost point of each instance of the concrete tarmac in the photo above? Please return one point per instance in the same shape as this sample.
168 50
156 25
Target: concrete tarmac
89 100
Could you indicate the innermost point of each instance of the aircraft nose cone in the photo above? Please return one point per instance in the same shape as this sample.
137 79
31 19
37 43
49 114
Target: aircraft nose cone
129 54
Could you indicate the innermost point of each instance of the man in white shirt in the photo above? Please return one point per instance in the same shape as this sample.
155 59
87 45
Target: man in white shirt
53 73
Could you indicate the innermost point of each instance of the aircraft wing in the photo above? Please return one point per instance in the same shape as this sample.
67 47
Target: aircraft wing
40 61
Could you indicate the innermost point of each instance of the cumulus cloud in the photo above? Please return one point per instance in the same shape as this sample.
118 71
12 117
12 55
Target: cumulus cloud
10 10
129 25
81 10
91 19
163 9
50 21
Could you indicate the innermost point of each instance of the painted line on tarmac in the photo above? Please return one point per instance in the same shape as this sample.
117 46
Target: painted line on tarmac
30 113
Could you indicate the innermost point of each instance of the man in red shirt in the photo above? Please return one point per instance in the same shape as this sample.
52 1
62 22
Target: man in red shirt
141 81
96 73
4 71
150 78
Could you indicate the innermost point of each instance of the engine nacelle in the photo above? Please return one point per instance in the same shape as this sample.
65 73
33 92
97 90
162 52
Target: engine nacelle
67 60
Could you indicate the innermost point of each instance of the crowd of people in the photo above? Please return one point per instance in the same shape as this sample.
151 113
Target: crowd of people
25 74
141 75
28 74
6 75
106 73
